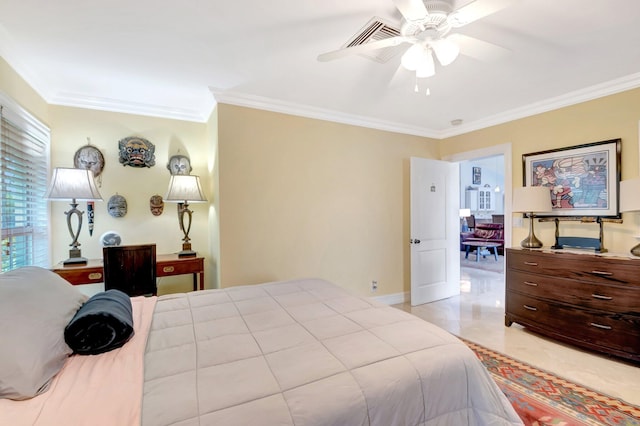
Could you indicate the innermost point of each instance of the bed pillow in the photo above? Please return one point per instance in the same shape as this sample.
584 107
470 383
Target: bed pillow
35 307
103 323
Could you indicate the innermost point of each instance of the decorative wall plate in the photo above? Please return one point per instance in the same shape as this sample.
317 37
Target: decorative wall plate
110 238
90 158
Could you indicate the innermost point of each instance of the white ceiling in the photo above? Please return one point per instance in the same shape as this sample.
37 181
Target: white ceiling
177 58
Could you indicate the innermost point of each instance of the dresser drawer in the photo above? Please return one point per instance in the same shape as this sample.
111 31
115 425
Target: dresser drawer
591 327
613 298
582 267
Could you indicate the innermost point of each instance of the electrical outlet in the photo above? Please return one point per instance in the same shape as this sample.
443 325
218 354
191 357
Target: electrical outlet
374 286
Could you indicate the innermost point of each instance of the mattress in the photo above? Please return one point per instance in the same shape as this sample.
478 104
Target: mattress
306 352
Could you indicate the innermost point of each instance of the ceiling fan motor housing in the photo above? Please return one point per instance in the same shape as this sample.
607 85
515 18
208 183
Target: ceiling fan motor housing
435 24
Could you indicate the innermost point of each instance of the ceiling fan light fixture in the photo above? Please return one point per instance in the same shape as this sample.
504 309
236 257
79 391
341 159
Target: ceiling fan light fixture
426 67
412 57
446 51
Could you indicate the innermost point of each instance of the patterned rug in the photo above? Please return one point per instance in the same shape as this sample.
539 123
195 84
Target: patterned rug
543 399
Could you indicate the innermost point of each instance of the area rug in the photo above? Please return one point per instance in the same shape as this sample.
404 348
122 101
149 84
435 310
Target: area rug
488 263
543 399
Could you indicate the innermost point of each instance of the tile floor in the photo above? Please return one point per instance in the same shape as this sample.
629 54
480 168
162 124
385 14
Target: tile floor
478 315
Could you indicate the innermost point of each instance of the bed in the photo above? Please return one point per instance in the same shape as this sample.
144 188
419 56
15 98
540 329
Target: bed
300 352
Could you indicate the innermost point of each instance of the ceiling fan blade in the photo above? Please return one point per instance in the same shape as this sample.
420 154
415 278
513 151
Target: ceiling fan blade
411 10
362 48
479 49
476 10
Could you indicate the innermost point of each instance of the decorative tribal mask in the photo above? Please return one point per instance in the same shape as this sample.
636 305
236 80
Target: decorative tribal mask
136 152
156 205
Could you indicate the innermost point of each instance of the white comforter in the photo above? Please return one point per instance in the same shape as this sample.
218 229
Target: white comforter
308 353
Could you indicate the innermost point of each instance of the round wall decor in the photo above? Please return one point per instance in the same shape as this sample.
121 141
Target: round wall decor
89 157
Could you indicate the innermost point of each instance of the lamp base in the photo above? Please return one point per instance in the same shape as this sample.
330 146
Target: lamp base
75 261
636 250
531 242
186 251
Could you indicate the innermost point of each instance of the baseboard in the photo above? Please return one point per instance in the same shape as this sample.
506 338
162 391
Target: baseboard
392 299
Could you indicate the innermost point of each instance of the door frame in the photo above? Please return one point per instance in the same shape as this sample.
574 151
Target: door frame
491 151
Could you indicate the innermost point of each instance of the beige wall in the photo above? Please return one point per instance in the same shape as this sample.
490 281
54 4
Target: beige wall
16 88
611 117
309 198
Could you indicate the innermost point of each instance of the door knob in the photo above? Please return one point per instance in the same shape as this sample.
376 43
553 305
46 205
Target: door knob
412 241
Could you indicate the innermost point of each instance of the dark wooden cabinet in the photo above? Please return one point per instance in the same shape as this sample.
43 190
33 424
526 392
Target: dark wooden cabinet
588 300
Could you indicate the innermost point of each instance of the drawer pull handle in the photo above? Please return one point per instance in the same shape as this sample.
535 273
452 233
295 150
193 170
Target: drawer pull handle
95 276
602 273
531 263
531 284
168 269
601 297
604 327
531 308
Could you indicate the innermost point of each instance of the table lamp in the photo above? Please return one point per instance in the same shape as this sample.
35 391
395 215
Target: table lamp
185 189
73 185
630 202
531 200
464 214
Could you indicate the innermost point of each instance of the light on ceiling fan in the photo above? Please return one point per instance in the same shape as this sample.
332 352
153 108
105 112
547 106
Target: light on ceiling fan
446 51
426 67
413 56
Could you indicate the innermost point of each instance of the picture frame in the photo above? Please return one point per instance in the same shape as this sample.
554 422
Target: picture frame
477 175
583 180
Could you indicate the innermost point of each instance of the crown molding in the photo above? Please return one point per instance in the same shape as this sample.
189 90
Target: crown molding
572 98
127 107
601 90
263 103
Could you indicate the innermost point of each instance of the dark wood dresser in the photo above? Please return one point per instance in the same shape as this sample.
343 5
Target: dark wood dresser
588 300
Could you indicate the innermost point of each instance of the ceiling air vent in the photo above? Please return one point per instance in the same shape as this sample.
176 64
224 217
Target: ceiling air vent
376 30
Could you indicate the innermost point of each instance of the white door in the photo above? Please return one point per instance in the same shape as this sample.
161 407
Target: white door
435 230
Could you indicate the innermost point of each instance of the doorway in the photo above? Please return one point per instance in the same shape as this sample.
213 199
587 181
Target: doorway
470 157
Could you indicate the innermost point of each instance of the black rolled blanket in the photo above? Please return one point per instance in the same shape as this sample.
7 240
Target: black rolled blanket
103 323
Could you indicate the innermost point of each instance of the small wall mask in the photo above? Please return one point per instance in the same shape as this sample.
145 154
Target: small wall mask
179 165
90 158
117 206
156 205
136 152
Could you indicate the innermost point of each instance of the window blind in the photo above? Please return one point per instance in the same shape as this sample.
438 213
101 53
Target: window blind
24 165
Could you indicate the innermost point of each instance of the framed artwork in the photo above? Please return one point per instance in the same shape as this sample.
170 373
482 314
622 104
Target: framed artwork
477 175
583 180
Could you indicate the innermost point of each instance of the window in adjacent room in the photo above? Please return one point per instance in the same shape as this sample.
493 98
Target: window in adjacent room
24 165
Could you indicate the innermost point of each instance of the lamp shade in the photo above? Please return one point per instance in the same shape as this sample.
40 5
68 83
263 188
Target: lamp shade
531 199
465 212
70 184
185 188
630 195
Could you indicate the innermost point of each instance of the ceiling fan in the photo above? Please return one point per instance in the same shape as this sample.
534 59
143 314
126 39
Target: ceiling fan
426 26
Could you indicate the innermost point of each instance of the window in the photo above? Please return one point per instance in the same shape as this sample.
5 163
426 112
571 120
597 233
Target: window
24 165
